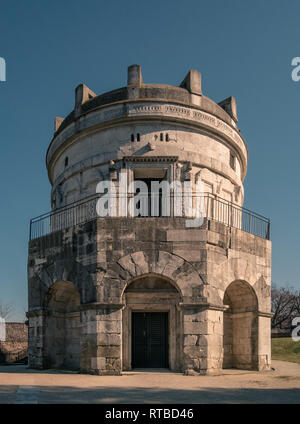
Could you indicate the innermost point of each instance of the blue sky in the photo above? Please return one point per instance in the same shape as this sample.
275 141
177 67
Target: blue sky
242 48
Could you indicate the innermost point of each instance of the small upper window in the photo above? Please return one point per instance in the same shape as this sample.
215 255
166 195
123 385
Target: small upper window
232 161
167 137
138 137
66 161
161 137
132 137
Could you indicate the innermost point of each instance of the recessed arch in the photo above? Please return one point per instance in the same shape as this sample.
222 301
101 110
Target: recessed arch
149 298
179 271
62 338
240 290
62 296
151 282
240 326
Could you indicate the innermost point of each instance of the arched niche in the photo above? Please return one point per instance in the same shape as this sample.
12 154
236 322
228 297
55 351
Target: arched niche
240 327
63 329
152 294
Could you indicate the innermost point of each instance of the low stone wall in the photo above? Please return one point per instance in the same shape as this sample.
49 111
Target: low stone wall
15 347
281 332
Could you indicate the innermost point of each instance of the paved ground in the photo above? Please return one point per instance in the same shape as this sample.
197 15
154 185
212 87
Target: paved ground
20 385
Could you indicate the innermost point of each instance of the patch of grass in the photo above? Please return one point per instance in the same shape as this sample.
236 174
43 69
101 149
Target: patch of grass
285 349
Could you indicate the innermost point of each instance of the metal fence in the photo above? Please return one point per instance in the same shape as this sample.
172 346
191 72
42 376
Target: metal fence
212 207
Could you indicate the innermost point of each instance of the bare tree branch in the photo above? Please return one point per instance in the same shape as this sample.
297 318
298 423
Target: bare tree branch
285 303
6 310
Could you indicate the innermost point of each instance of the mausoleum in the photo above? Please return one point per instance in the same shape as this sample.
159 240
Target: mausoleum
119 292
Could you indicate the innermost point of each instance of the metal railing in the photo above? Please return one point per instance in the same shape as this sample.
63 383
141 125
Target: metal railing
213 208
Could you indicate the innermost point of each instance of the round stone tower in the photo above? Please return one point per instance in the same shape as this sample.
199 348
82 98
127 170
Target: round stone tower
108 294
150 122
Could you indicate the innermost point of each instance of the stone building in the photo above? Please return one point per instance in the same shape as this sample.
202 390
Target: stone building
15 346
108 294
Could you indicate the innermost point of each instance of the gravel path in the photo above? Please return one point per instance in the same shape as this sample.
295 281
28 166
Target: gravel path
20 385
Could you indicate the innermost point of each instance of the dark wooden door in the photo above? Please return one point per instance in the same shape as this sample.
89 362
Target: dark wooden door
150 340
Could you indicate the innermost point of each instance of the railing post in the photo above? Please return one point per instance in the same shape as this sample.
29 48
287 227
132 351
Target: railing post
207 201
228 215
268 230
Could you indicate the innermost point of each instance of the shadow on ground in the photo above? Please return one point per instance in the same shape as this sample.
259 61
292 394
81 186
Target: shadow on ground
106 395
24 369
157 389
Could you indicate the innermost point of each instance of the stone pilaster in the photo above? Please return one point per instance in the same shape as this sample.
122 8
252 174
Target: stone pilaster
214 340
264 341
101 340
202 332
88 345
36 339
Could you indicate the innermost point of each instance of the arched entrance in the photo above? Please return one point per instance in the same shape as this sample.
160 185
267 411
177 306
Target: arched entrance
62 332
240 327
151 330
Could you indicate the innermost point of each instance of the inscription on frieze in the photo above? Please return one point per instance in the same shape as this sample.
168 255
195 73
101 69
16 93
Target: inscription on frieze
120 111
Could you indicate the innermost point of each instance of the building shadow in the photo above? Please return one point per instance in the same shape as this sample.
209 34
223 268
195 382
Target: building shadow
112 395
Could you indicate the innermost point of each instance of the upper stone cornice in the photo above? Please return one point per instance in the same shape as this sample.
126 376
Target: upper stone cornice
133 102
189 93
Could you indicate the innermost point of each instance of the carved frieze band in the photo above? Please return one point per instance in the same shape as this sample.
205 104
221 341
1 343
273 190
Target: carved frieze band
144 109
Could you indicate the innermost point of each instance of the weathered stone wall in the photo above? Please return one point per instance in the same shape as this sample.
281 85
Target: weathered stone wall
86 166
15 346
103 257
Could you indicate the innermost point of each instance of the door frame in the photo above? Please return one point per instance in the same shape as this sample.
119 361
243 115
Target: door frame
174 332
